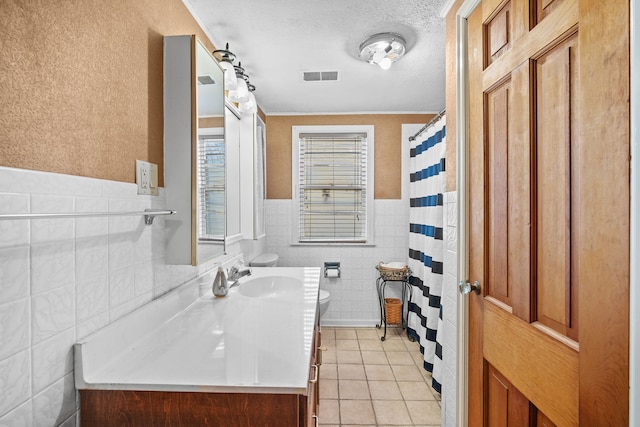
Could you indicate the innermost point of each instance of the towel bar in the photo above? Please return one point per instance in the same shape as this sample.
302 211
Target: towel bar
149 215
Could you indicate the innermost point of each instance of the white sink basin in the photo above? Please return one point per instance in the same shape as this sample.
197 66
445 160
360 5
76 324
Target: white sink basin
184 341
271 287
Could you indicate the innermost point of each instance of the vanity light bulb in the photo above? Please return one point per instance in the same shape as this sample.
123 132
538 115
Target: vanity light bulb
241 93
250 106
385 63
230 79
379 56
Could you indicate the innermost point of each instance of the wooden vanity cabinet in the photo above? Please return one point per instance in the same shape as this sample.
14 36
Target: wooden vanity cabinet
311 399
106 408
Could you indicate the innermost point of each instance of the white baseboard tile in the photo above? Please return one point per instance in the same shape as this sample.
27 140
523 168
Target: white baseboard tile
350 323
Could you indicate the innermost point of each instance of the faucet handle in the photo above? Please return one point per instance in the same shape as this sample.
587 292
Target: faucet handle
235 269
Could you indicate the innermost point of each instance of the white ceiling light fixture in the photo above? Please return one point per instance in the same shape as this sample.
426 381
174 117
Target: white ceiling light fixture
383 49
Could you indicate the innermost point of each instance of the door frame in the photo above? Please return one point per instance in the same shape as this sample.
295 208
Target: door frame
462 201
634 274
462 198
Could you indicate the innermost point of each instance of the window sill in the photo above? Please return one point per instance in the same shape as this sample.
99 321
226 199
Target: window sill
359 244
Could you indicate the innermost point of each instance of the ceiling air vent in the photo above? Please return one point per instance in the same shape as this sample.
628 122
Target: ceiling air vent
320 76
206 79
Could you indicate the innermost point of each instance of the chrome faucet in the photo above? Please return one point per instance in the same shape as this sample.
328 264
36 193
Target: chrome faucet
237 271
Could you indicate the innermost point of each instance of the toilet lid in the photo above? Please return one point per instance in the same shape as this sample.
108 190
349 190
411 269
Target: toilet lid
324 295
264 259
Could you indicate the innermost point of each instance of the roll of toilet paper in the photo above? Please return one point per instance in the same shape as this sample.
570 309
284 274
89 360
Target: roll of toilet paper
332 272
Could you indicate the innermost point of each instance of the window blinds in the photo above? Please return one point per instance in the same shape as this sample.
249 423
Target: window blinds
211 182
333 187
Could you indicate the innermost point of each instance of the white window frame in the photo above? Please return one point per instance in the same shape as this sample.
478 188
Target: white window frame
295 180
213 133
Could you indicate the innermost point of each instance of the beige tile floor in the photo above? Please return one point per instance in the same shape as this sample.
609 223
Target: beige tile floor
368 382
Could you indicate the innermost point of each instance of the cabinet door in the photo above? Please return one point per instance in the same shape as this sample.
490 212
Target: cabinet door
313 397
232 143
247 166
312 407
252 178
193 165
259 179
178 133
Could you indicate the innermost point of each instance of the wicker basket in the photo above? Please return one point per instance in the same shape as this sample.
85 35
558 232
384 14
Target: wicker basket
393 311
389 273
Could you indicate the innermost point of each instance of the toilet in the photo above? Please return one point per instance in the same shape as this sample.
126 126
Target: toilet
323 298
265 260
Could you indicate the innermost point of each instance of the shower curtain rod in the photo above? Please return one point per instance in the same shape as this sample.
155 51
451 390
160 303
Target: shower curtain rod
425 127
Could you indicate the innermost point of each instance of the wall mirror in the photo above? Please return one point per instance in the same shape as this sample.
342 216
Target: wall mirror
211 154
194 152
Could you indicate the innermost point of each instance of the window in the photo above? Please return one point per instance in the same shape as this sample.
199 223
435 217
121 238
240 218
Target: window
333 184
211 197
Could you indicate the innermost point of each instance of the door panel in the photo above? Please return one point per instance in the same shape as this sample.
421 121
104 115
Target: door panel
530 43
498 34
555 82
541 9
496 123
543 369
543 421
507 406
535 171
519 188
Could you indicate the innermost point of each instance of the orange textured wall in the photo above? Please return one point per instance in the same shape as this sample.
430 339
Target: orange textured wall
211 122
388 149
82 84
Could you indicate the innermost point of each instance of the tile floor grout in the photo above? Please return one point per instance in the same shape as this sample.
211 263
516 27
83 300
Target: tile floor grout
368 382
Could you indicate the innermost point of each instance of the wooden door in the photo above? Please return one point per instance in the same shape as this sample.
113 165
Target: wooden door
549 213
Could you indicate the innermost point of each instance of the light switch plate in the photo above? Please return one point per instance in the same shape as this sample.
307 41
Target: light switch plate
147 177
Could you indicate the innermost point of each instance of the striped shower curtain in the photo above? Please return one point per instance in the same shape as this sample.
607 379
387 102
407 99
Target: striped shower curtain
426 246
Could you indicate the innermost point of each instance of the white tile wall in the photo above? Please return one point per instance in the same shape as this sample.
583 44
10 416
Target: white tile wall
449 310
62 279
15 372
52 312
354 300
16 335
56 404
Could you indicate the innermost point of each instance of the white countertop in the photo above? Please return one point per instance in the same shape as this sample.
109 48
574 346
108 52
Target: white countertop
185 342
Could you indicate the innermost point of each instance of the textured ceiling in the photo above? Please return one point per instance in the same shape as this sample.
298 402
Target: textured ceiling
276 40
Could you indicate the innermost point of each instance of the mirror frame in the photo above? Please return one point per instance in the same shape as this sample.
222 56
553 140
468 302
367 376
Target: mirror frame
196 242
